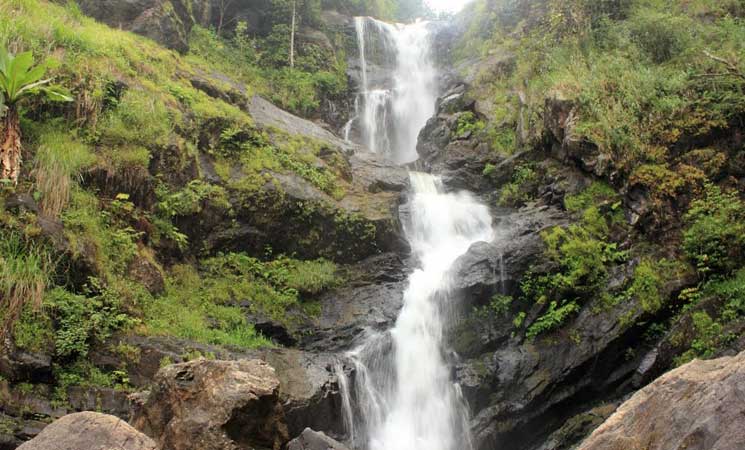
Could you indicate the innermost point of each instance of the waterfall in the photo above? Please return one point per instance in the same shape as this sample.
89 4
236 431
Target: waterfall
403 395
400 395
392 110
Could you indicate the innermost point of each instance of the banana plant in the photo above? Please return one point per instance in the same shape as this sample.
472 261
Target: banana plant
19 80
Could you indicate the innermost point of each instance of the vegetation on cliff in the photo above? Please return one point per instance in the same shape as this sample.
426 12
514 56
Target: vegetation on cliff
649 100
98 237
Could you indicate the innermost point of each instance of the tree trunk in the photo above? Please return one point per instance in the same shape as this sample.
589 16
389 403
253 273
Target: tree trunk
10 147
292 36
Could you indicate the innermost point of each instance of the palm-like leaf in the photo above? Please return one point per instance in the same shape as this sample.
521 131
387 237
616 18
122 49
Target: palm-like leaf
19 78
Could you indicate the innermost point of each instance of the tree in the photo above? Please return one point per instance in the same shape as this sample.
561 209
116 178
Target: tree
19 80
222 6
292 34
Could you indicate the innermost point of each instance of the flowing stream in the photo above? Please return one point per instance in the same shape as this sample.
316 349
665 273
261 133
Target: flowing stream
400 395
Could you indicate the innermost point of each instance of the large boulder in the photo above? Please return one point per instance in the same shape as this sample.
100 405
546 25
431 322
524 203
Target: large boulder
309 387
89 431
213 405
698 406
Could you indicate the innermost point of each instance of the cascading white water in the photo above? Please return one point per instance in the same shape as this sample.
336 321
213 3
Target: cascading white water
401 396
392 112
404 397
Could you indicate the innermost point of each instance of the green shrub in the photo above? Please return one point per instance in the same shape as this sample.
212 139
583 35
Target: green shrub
518 190
33 331
708 338
94 236
582 253
498 306
82 320
467 124
661 35
732 292
714 239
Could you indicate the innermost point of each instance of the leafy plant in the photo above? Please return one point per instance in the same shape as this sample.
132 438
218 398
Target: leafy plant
19 80
715 237
552 319
517 191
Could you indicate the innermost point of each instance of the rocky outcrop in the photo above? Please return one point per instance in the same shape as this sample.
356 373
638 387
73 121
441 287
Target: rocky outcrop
20 365
213 405
698 406
371 299
309 390
167 22
89 431
559 119
314 440
458 156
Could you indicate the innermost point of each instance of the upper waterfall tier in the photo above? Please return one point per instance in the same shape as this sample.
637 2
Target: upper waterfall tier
398 87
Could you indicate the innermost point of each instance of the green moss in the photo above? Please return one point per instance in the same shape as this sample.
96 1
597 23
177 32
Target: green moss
201 305
193 199
598 193
192 309
647 286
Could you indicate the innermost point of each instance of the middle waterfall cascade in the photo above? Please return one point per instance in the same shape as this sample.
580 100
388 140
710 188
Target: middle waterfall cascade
403 397
392 112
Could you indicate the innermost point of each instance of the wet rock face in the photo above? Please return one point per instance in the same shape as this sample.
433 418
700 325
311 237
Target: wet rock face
19 365
89 431
371 300
695 407
459 159
213 405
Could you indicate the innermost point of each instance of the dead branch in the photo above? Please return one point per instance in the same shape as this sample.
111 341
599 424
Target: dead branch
731 67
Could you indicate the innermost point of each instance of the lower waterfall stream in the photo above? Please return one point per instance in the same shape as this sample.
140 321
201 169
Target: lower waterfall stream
401 395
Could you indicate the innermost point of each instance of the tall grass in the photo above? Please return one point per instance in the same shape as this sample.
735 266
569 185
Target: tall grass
24 274
59 160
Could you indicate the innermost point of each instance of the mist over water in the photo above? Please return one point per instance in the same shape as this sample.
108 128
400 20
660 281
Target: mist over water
401 395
